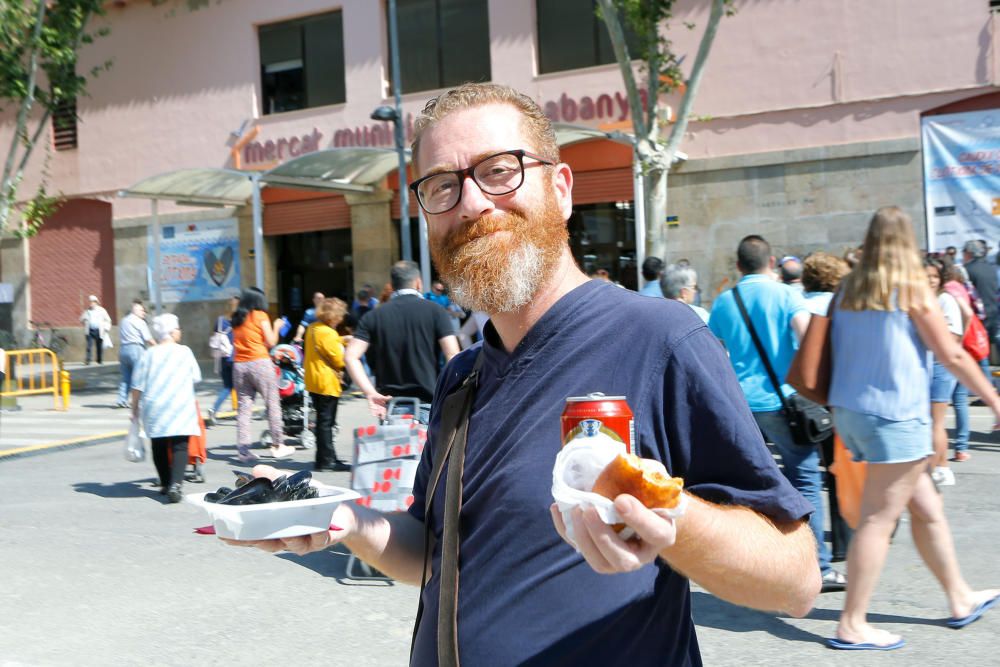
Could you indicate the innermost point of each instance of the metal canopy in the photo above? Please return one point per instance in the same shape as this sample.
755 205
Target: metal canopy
344 169
227 187
567 134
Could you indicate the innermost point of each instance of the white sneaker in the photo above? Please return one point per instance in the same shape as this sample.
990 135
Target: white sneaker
943 476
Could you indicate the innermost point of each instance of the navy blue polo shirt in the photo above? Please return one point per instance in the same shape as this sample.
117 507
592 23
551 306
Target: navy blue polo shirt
525 596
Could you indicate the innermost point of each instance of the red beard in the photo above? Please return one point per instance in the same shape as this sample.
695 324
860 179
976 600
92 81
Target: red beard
480 267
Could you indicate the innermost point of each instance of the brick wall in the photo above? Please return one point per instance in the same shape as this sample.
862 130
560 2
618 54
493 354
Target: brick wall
71 257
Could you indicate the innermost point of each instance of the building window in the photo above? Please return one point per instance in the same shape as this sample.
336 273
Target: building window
602 236
442 43
302 63
570 36
64 125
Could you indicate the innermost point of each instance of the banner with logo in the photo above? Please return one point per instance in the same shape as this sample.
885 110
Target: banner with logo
199 261
961 177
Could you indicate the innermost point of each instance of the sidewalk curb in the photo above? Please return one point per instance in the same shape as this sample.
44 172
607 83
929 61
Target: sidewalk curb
85 441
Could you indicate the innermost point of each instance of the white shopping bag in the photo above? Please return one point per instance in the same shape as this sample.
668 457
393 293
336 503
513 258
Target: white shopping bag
135 443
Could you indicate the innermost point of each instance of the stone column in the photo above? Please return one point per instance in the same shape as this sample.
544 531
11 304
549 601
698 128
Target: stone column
374 239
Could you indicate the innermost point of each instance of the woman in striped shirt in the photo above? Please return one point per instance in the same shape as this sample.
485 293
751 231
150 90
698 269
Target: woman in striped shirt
886 320
163 392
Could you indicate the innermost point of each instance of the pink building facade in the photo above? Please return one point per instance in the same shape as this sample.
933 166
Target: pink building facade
807 120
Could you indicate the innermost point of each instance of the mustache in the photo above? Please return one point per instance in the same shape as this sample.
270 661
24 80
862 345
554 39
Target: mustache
489 224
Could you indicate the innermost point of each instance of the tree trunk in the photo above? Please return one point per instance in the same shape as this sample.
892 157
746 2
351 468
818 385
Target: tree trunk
656 213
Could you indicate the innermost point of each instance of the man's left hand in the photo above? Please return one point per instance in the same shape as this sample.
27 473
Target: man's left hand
602 547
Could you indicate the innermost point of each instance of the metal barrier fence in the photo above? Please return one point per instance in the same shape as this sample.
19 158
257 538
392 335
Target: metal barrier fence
37 371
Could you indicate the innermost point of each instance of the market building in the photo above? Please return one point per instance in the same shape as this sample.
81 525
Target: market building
807 120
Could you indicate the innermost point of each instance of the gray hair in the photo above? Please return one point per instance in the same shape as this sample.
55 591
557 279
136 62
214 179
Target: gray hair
404 274
164 325
675 278
975 248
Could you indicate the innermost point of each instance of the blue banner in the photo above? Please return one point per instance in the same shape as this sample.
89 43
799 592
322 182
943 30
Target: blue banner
199 261
962 178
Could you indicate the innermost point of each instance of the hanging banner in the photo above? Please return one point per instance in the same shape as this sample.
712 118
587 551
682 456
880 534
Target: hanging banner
961 177
199 261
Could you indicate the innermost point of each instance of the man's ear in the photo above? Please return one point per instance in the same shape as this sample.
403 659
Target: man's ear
562 181
772 262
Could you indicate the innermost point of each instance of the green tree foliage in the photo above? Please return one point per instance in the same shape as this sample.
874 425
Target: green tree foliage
660 68
39 43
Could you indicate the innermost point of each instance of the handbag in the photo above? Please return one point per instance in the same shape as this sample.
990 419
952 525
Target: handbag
975 341
809 422
811 366
135 443
850 476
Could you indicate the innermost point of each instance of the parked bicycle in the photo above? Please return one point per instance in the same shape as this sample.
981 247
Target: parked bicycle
44 335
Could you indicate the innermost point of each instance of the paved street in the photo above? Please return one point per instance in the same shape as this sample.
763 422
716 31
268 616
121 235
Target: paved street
98 571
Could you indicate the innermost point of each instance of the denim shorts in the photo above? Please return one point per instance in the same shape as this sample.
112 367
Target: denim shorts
942 384
877 440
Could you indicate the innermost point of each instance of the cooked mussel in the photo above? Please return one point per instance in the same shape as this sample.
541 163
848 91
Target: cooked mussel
242 478
260 490
214 497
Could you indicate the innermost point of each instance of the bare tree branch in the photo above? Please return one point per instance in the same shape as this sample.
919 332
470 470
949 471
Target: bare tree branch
610 15
697 69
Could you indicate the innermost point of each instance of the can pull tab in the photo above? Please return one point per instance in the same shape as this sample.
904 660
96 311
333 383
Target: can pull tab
595 395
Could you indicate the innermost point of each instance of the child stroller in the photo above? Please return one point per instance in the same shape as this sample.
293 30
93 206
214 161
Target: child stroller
294 399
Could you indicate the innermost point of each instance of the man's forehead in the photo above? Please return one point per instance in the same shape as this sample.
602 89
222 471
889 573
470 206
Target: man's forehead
463 137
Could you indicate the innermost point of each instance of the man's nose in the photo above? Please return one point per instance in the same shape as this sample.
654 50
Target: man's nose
474 202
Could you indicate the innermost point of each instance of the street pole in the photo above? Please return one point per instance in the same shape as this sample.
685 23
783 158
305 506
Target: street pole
404 199
425 255
157 271
258 233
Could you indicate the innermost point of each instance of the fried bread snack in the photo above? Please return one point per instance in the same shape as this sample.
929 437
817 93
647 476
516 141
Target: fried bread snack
646 479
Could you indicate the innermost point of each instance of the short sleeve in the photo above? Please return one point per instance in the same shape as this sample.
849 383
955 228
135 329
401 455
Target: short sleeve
363 332
144 330
442 323
952 314
796 302
141 372
714 442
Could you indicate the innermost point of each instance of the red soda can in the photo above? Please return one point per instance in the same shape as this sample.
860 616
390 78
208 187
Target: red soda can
597 413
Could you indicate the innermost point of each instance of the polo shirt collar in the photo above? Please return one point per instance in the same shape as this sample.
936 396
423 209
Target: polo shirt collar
407 291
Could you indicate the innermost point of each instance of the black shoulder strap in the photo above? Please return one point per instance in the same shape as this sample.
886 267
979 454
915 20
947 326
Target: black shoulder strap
760 348
448 446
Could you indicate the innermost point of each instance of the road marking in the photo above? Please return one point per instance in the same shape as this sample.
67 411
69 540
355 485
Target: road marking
62 443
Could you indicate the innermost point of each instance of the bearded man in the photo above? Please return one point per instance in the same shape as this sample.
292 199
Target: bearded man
497 200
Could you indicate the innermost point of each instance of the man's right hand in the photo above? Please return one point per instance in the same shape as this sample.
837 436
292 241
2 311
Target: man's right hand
378 404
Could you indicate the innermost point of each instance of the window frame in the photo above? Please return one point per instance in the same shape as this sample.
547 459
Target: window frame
598 26
299 23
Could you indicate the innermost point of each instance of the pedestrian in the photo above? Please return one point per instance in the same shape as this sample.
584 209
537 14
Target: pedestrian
779 315
163 394
790 272
681 284
821 276
401 339
497 200
324 363
223 357
652 270
880 395
957 284
97 327
984 277
364 301
253 373
943 383
307 318
133 337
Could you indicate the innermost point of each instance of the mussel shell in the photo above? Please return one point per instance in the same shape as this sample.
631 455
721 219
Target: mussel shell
223 491
253 493
242 478
281 488
300 479
214 497
304 493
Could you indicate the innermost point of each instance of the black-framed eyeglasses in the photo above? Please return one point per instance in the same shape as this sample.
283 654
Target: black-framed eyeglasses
498 174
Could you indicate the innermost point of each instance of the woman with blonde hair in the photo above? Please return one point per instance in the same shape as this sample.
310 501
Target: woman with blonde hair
324 351
880 392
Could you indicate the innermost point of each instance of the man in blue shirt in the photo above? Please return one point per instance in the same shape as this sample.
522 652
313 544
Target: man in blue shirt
780 317
652 269
497 200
